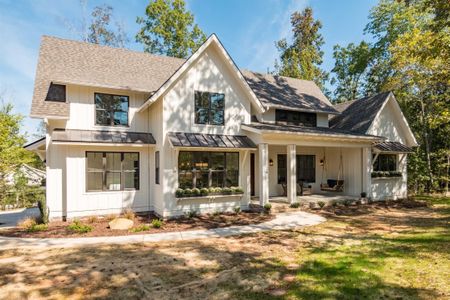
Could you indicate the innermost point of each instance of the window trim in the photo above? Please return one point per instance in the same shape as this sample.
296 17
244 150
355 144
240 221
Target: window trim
115 126
383 154
210 171
209 109
122 188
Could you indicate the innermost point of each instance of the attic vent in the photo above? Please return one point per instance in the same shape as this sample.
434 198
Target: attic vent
56 93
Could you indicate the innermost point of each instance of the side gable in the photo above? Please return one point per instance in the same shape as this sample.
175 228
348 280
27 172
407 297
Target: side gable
212 40
390 122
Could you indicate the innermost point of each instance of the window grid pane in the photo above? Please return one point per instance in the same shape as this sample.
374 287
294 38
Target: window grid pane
111 110
209 108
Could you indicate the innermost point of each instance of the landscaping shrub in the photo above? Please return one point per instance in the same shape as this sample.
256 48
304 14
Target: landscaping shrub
27 223
191 214
204 192
157 223
140 228
187 192
239 190
216 213
334 203
237 209
218 190
38 227
179 193
227 191
111 217
92 219
377 174
78 227
267 207
321 204
294 205
196 192
348 202
129 214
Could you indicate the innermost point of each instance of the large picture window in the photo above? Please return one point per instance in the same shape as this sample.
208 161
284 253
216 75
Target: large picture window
208 169
385 162
209 108
111 110
298 118
306 168
112 171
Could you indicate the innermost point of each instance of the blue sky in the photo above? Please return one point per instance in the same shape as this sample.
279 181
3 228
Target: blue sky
247 28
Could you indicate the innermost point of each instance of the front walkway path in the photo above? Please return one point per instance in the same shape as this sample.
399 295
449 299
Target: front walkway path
282 221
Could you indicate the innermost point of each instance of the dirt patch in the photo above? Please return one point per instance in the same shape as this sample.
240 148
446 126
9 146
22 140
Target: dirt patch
100 227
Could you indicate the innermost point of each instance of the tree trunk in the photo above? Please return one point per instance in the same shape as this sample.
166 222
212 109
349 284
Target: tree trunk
426 139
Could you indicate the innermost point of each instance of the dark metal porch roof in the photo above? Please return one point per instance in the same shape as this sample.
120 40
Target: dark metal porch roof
185 139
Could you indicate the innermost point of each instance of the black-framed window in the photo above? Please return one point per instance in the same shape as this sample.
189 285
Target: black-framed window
306 168
56 93
298 118
208 169
157 167
209 108
112 171
111 110
385 162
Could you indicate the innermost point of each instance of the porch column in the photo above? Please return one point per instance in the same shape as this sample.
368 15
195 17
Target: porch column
263 173
291 179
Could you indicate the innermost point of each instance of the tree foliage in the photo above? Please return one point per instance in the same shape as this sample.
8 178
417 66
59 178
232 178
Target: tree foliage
169 29
99 27
410 56
302 58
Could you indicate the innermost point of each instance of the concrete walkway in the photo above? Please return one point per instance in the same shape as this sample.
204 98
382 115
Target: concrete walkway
282 221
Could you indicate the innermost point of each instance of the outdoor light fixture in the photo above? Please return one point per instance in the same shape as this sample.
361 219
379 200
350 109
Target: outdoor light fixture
270 162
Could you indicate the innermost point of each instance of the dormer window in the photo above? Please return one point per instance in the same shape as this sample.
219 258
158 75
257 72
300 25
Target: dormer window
56 93
297 118
209 108
111 110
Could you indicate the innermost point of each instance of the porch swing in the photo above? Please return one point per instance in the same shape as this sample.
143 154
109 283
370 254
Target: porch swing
332 185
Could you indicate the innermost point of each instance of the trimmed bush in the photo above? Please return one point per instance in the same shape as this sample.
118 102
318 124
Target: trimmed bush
157 223
237 209
77 227
321 204
38 227
379 174
140 228
195 192
204 192
179 193
191 214
227 191
267 207
348 202
187 192
294 205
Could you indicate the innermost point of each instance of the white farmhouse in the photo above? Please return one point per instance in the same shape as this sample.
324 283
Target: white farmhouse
127 130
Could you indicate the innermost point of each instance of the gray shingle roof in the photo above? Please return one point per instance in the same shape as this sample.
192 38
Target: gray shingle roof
393 147
185 139
308 130
288 93
358 115
75 62
100 136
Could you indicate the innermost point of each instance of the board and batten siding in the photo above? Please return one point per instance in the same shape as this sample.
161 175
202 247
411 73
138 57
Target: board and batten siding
208 74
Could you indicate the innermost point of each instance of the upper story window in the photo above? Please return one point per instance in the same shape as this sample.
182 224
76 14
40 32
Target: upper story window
209 108
385 162
56 93
298 118
111 110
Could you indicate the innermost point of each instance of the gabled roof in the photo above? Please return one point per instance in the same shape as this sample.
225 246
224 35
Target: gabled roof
358 115
73 62
212 40
288 93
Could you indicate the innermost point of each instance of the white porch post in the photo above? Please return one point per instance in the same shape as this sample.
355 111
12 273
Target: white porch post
291 173
263 173
366 170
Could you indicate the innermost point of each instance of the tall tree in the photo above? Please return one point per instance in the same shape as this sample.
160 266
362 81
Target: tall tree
99 27
350 69
169 29
302 58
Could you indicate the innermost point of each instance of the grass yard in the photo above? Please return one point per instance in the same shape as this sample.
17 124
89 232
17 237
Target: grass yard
380 253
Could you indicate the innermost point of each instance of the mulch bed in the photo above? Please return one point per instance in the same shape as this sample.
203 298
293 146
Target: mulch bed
58 229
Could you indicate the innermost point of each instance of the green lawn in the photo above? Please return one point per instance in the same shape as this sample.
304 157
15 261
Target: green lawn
376 253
